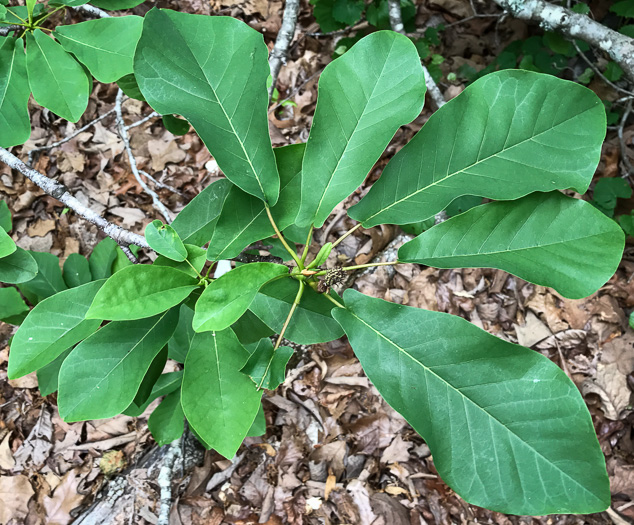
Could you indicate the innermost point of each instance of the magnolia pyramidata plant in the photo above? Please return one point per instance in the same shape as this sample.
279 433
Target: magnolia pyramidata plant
507 429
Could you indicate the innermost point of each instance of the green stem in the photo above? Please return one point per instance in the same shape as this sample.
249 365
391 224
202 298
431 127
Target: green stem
39 22
281 238
193 268
349 232
370 265
298 298
307 245
333 300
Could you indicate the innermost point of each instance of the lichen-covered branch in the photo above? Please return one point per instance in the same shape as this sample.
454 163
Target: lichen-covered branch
619 47
62 193
284 39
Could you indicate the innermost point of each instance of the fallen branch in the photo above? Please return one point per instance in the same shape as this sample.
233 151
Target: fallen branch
60 192
396 22
91 11
619 47
123 133
284 38
165 481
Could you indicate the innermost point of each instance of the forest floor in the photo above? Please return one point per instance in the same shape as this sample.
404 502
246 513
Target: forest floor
334 452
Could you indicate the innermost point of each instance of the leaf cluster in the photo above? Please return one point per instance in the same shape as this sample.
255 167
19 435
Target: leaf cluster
497 416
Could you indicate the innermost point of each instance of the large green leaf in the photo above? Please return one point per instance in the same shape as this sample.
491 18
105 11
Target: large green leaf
49 279
181 340
311 322
219 401
151 377
508 134
102 258
196 259
19 267
547 239
364 97
167 422
57 81
101 376
7 246
141 291
5 217
213 73
48 376
15 124
507 429
105 46
53 326
225 300
196 222
244 220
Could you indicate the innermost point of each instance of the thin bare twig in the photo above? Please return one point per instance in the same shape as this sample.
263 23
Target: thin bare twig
294 92
93 11
624 157
598 72
619 47
70 137
123 133
60 192
143 120
284 38
160 184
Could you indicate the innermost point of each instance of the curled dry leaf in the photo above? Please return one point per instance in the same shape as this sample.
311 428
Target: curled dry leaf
15 493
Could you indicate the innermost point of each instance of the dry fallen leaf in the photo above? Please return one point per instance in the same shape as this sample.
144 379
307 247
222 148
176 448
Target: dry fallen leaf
15 493
7 460
65 498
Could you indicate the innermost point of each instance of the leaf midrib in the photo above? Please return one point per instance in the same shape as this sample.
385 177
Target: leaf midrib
463 170
465 398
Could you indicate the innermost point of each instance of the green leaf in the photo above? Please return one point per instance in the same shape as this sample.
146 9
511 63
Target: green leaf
165 385
150 378
348 12
167 422
311 322
508 134
105 45
244 220
623 8
258 428
12 306
30 5
581 8
219 401
196 256
102 375
181 340
48 280
141 291
164 240
384 89
267 368
224 97
13 12
176 126
497 417
323 13
547 239
613 72
76 270
3 12
48 376
196 222
627 30
102 258
129 86
15 124
249 329
69 3
7 246
607 190
225 300
57 81
19 267
5 217
53 326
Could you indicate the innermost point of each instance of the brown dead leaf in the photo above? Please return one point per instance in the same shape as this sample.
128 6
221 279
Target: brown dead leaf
64 500
164 151
7 460
41 228
15 493
617 361
331 483
396 452
38 445
27 381
532 331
